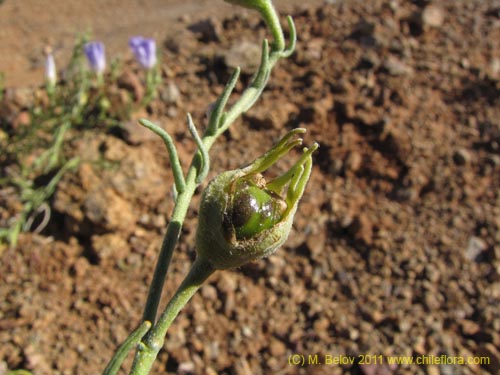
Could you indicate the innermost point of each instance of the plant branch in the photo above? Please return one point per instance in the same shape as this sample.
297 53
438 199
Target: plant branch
153 342
135 337
172 153
219 122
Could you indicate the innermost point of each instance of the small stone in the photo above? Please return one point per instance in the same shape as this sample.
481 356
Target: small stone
493 160
227 282
353 334
495 67
209 292
475 248
22 97
354 161
469 327
103 207
377 316
244 54
171 93
369 60
277 348
396 67
140 177
433 16
461 156
110 246
314 48
432 301
186 368
81 266
363 229
316 243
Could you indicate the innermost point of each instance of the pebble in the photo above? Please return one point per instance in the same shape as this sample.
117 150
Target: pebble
469 327
209 292
461 156
354 161
433 16
396 67
245 55
104 208
110 246
171 93
22 97
186 368
277 348
475 247
495 67
493 160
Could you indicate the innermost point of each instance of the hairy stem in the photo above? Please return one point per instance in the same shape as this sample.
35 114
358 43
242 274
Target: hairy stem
153 342
218 123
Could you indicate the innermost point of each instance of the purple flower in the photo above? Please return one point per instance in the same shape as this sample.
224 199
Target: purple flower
144 50
96 56
50 70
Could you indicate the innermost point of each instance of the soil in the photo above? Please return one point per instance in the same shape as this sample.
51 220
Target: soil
395 248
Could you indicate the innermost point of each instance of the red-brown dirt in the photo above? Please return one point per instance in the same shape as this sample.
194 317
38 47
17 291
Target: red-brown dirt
395 248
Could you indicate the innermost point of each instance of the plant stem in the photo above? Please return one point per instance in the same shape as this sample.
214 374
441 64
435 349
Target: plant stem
167 248
153 342
201 269
273 22
136 336
247 99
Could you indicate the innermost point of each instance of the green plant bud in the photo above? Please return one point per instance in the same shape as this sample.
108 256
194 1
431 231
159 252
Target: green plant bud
244 218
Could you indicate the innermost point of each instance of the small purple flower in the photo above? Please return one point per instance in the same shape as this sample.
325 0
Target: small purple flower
144 50
96 56
50 70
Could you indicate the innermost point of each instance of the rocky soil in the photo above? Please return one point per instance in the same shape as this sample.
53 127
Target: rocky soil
396 245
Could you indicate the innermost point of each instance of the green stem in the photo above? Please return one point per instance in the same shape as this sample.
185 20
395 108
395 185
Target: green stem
219 122
167 249
153 342
247 99
122 352
172 153
269 14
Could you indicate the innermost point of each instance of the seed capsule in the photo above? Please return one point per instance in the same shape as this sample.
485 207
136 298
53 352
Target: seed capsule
252 209
242 217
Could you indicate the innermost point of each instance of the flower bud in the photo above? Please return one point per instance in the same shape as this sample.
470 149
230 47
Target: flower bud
95 53
144 50
244 218
50 70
